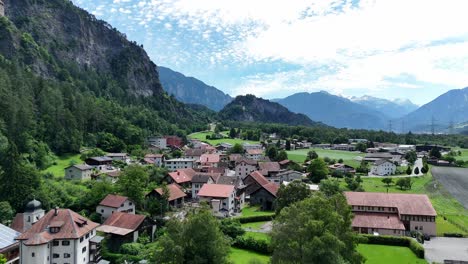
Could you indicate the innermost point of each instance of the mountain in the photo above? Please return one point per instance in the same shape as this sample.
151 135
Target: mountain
334 110
68 79
192 91
394 109
450 107
249 108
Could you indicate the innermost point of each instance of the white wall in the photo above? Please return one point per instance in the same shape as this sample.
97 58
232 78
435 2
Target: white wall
73 173
106 211
243 169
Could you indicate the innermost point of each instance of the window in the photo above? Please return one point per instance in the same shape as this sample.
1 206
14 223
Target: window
55 256
83 250
421 228
55 243
102 210
65 243
416 227
33 254
81 239
66 255
87 236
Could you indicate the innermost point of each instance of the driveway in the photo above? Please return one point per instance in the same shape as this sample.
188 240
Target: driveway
446 248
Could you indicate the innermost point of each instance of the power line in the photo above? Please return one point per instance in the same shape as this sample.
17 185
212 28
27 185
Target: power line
433 125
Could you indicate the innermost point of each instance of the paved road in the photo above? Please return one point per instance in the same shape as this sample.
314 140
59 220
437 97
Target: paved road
455 181
446 248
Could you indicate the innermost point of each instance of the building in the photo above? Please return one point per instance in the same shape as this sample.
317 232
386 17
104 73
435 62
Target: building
224 147
269 169
220 197
176 195
194 153
61 236
248 146
391 213
383 168
157 142
287 175
174 141
114 203
198 181
183 177
101 163
9 247
261 191
244 167
118 156
357 140
176 164
121 228
344 147
254 154
32 213
209 160
343 168
2 8
393 157
154 159
111 176
79 172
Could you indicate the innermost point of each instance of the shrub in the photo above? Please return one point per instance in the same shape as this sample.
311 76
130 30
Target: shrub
131 248
453 235
255 218
258 245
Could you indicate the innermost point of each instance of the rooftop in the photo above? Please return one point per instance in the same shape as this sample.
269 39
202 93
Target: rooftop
7 236
254 151
81 167
216 190
174 192
182 175
382 221
114 201
211 158
121 223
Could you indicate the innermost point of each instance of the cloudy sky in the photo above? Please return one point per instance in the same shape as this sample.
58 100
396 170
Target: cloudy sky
416 49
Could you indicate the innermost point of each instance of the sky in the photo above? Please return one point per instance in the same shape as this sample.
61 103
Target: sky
414 49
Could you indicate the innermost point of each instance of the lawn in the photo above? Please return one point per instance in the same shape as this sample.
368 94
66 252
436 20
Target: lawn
378 254
58 169
464 155
257 235
254 211
241 256
202 136
254 225
347 156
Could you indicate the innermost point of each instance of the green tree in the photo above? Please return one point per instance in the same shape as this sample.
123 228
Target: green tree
362 147
291 193
411 156
232 133
3 260
6 213
196 240
387 181
416 171
312 155
288 144
132 183
231 228
318 170
237 148
315 230
272 152
330 187
160 205
282 155
435 152
409 170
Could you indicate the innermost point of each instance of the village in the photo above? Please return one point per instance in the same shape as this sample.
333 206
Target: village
228 179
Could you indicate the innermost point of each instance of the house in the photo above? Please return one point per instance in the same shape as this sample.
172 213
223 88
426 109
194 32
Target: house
154 159
32 213
194 153
284 164
343 168
121 228
287 175
254 154
391 213
99 161
224 147
174 141
198 181
261 191
78 172
372 157
220 197
248 146
114 203
244 167
183 177
209 160
157 142
269 169
176 164
239 188
60 236
111 176
176 195
118 156
9 247
312 187
344 147
383 168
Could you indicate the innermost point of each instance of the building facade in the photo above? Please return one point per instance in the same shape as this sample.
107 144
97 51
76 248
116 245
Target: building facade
244 167
176 164
383 168
78 172
114 203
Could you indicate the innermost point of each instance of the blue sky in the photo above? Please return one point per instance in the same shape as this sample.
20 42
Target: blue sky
415 49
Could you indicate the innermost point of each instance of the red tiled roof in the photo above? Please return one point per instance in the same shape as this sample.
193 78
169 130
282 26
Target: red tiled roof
74 226
254 151
121 223
407 204
271 188
193 152
381 221
259 178
211 158
182 175
154 156
284 162
247 161
114 201
216 190
269 166
18 223
174 192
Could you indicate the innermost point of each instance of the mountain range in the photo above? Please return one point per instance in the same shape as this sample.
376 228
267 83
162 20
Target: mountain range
391 108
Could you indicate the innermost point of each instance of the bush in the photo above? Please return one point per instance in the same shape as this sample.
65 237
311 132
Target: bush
453 235
131 248
232 228
255 218
250 243
410 243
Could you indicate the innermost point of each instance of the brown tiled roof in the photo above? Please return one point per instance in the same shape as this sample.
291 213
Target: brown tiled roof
247 161
122 223
74 226
227 180
193 152
269 166
284 162
114 201
18 223
154 156
407 204
174 192
271 188
381 221
201 178
254 151
216 190
211 158
182 175
259 178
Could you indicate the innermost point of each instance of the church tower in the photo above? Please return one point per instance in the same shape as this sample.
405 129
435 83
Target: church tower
2 8
33 213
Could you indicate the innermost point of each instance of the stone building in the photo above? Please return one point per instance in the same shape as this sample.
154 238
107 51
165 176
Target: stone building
2 8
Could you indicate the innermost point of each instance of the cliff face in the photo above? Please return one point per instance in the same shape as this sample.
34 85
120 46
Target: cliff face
76 41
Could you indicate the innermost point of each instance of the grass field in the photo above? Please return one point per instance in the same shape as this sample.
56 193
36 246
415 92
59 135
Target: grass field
254 211
58 170
241 256
464 155
202 136
378 254
347 156
254 225
257 235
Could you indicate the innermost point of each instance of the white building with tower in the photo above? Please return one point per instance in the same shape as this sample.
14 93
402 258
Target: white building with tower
2 8
32 213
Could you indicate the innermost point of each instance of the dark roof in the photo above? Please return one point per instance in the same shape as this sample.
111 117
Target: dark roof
73 226
116 154
101 159
7 237
114 201
201 178
33 206
81 167
269 166
382 161
227 180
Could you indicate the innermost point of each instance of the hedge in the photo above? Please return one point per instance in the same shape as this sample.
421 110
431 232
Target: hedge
257 245
255 218
410 243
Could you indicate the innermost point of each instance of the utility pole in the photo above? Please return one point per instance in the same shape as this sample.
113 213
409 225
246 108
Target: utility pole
390 126
403 127
451 127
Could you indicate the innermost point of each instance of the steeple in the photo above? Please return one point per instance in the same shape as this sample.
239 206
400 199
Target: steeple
2 8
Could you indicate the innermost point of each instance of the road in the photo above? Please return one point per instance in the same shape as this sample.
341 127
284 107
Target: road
439 249
455 181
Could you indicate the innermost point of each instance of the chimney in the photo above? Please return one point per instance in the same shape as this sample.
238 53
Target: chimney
56 211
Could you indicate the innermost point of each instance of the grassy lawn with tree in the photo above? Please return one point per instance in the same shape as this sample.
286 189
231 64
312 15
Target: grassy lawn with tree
347 156
202 136
257 235
254 211
378 254
241 256
254 225
60 163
